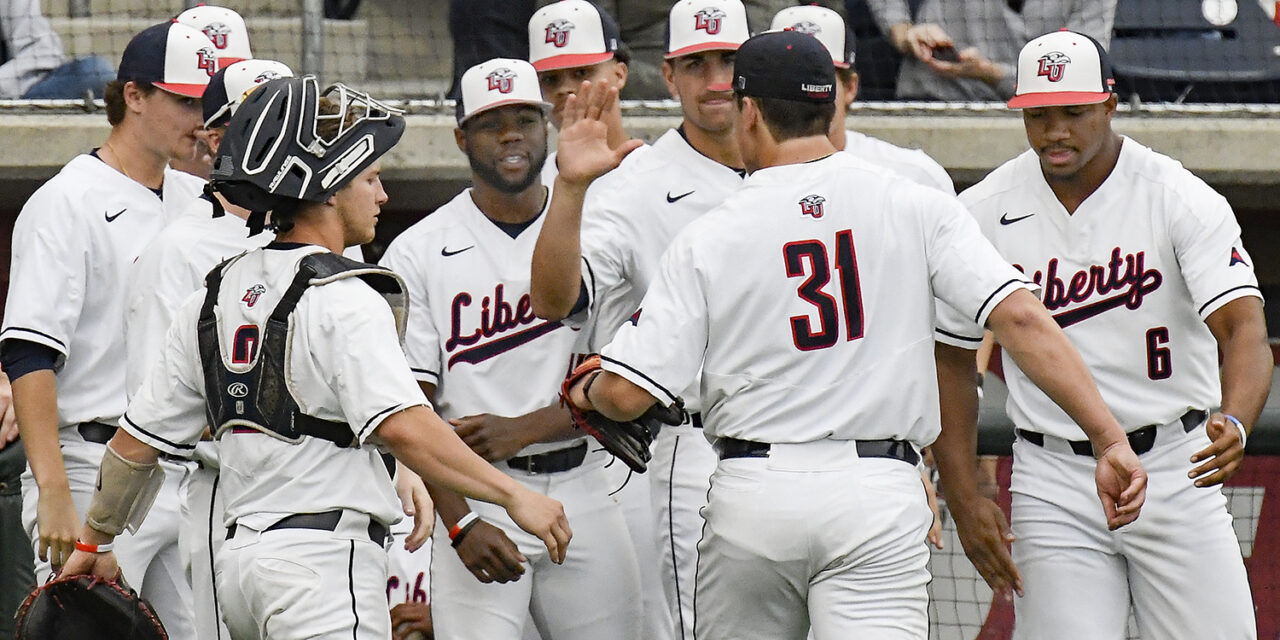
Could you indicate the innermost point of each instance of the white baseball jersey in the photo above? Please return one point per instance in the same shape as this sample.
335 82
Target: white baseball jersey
1130 277
912 164
795 294
345 364
73 246
474 331
631 219
169 269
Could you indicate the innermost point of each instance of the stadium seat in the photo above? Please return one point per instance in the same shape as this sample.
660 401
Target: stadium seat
1168 51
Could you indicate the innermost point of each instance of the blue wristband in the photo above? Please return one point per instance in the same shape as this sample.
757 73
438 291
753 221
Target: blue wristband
1243 435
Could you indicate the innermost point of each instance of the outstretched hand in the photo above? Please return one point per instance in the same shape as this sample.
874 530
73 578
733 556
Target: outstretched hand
1122 484
582 152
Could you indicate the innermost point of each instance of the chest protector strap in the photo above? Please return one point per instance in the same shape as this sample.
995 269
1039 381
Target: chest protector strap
260 398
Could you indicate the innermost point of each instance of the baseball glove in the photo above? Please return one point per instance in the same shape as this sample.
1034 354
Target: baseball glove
87 608
628 441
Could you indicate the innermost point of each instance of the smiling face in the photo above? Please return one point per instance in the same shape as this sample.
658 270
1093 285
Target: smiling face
506 146
558 84
703 82
1068 139
359 203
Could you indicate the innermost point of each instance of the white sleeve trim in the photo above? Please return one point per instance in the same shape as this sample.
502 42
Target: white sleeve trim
1003 291
1223 298
638 378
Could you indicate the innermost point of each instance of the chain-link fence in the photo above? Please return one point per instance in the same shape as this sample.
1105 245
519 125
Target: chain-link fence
1163 50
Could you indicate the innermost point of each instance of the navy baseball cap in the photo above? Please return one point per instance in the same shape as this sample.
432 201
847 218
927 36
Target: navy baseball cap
172 56
787 65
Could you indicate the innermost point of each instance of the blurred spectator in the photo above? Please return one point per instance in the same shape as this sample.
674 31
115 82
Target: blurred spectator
32 64
964 50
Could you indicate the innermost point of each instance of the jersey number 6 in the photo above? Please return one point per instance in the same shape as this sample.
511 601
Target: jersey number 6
809 258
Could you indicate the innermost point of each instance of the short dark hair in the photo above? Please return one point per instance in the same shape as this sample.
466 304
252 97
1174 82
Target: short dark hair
623 54
845 74
113 95
787 119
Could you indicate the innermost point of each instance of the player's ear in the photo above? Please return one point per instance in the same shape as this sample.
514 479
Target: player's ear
1111 104
133 96
669 77
620 71
460 139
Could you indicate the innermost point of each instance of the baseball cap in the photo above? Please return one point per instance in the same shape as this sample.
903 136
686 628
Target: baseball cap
497 83
224 28
1060 69
822 23
171 56
787 65
231 84
706 25
571 33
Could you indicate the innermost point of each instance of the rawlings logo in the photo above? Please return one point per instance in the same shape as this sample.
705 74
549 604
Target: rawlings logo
709 20
502 80
217 34
497 316
207 60
1125 276
252 294
558 32
811 205
238 389
1052 65
806 27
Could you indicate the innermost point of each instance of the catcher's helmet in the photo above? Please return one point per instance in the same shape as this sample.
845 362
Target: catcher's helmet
275 152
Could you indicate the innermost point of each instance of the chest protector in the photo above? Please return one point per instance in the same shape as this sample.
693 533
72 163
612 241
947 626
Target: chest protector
260 398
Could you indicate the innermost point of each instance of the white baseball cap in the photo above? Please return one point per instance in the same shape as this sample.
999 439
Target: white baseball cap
230 85
706 25
571 33
172 56
497 83
224 28
822 23
1060 69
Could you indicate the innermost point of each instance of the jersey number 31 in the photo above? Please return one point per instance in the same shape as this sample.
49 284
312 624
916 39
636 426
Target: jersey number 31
809 259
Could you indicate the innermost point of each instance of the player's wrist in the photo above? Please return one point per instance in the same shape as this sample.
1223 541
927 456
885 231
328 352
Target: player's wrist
572 186
1234 421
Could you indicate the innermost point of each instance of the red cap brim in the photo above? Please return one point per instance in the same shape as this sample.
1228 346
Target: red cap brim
1058 99
570 60
188 90
703 46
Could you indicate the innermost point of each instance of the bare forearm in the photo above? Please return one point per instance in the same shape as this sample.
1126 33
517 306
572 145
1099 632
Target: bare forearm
449 504
548 424
557 256
35 403
1042 351
428 446
1246 363
955 450
613 396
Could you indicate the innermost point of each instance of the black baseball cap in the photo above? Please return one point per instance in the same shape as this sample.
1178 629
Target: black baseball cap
787 65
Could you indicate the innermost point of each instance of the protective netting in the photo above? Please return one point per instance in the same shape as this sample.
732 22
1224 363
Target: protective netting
1163 50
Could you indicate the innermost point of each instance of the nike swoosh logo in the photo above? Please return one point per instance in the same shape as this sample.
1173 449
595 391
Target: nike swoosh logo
1006 220
674 199
444 251
110 217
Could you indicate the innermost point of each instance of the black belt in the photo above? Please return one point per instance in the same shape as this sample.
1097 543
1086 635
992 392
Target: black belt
1140 440
896 449
695 419
325 521
551 461
96 432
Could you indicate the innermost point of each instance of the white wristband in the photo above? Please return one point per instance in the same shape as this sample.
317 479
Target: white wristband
1243 435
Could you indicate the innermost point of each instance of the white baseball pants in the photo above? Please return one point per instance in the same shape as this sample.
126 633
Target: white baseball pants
1179 562
680 472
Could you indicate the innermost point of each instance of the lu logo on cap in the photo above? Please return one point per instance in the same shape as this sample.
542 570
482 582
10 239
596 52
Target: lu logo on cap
496 83
1060 69
571 33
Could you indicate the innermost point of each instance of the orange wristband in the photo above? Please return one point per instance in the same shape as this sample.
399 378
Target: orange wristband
94 548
